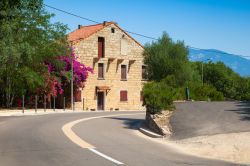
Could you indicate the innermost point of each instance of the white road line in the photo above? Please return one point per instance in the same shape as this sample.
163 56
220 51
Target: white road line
105 156
67 129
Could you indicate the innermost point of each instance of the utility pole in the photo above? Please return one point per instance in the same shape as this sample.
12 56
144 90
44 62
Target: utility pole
72 81
202 73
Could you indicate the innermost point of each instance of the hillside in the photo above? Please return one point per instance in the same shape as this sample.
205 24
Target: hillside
237 63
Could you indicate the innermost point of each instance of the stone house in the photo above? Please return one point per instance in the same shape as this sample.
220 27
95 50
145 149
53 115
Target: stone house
117 61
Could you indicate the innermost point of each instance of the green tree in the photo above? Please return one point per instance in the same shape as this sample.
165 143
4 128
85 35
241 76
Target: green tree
168 69
222 78
27 39
166 57
158 96
204 92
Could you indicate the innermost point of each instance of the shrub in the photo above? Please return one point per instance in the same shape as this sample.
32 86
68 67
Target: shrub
205 92
158 96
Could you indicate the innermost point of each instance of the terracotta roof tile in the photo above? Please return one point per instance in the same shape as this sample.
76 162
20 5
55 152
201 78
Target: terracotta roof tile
86 31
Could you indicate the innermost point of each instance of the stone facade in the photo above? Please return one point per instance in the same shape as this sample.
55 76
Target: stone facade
117 43
160 123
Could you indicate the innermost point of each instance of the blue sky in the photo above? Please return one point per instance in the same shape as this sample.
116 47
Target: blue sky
217 24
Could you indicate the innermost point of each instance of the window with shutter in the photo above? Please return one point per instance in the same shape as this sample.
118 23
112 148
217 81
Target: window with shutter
100 70
123 95
144 73
141 96
101 47
123 72
78 96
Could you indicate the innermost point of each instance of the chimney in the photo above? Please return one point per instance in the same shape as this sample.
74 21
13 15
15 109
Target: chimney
104 23
79 26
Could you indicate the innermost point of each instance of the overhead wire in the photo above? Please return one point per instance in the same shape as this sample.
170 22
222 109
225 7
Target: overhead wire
134 33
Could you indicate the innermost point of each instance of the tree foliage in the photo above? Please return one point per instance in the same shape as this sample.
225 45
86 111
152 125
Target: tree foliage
204 92
170 72
168 68
158 96
166 57
59 79
225 80
27 40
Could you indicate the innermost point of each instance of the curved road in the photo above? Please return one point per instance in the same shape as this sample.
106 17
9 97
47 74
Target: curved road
40 141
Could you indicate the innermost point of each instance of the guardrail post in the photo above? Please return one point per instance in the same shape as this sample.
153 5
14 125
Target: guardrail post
44 103
23 103
50 107
35 103
63 103
54 103
73 104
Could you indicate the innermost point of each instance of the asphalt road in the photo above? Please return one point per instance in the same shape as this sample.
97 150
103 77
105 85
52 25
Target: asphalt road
208 118
40 141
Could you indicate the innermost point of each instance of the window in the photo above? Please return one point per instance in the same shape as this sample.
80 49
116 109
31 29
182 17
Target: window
100 70
112 30
123 95
123 72
77 96
141 96
144 73
101 47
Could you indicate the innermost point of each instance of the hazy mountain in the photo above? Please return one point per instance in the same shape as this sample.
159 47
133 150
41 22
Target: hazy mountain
237 63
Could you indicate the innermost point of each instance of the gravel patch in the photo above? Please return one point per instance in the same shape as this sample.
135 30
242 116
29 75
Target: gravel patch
234 147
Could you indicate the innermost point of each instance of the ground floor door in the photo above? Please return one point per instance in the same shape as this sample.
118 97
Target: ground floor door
100 100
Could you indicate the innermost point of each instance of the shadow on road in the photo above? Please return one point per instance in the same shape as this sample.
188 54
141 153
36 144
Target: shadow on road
129 123
243 109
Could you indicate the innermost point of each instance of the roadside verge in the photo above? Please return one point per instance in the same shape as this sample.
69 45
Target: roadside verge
145 130
232 147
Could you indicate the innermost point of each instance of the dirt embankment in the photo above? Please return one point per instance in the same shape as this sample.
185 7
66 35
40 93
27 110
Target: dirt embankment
234 147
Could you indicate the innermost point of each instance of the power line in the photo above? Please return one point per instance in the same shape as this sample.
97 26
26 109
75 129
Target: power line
152 38
71 14
90 20
141 35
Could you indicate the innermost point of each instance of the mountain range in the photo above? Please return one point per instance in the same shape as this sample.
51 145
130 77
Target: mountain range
237 63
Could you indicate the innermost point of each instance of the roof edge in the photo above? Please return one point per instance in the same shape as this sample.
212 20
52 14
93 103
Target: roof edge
107 24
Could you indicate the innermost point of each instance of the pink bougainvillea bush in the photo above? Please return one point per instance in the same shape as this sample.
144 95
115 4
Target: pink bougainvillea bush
57 80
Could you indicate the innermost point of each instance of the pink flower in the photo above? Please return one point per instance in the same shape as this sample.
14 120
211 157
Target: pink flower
80 73
61 91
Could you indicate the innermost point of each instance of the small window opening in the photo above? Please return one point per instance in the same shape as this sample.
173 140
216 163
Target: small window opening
101 47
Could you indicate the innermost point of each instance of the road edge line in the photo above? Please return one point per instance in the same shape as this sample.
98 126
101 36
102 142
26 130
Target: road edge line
67 130
105 156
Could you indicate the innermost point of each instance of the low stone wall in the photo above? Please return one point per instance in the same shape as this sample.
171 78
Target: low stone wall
159 123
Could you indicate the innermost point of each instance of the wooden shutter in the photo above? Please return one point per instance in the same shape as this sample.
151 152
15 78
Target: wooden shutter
144 73
78 96
141 96
100 47
100 70
123 95
123 72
